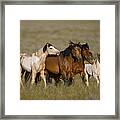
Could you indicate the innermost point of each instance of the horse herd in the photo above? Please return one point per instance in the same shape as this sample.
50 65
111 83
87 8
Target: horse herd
49 63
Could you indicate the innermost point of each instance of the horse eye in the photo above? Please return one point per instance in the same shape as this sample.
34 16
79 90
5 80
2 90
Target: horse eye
50 48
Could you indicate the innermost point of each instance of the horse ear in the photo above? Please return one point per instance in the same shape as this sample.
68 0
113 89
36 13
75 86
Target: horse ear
87 45
45 47
71 43
80 45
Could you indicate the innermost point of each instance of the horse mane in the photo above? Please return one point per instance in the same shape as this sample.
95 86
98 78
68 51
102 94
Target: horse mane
39 52
45 48
85 45
67 51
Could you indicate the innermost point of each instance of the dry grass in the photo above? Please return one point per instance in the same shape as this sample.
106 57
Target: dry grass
34 35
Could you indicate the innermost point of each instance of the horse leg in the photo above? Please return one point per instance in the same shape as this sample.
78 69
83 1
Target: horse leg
43 77
21 84
33 75
65 78
49 78
21 74
63 75
85 78
27 76
97 79
57 79
37 78
70 78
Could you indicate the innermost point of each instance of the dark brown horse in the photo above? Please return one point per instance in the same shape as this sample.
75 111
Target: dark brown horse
68 65
62 65
78 66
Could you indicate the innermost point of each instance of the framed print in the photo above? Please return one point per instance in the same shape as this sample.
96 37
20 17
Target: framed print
60 59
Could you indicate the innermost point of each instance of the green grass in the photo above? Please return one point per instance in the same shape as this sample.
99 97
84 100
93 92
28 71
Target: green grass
35 34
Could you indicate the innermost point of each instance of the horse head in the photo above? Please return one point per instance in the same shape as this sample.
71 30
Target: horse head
75 50
86 53
50 49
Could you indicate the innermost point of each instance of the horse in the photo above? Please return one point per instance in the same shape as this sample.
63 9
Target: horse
36 63
21 83
93 70
62 65
22 71
76 66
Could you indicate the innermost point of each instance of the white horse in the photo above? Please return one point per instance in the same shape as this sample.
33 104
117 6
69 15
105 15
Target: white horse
22 55
36 62
92 70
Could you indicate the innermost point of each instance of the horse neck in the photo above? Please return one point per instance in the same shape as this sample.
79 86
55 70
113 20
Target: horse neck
39 52
83 58
44 55
95 64
41 56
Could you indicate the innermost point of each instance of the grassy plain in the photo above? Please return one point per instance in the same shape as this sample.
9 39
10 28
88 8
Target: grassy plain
35 34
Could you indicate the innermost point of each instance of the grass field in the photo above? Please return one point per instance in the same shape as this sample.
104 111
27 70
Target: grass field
34 35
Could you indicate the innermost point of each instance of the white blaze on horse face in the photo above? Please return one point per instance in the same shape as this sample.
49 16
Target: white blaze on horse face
52 50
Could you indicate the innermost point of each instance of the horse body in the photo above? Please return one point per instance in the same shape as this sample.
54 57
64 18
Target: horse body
65 63
36 62
68 65
27 63
93 70
62 64
78 68
52 64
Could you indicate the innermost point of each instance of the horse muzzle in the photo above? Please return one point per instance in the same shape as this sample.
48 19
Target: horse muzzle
90 60
79 59
58 53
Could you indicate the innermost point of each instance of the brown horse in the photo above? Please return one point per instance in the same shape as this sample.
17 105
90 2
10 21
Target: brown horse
68 66
62 65
78 66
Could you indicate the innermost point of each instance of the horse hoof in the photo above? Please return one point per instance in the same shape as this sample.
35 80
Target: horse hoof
87 84
97 84
32 82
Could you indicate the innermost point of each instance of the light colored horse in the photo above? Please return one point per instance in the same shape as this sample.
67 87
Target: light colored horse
22 55
21 83
36 62
92 70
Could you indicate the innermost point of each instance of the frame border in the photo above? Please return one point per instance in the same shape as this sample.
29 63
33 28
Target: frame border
55 2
